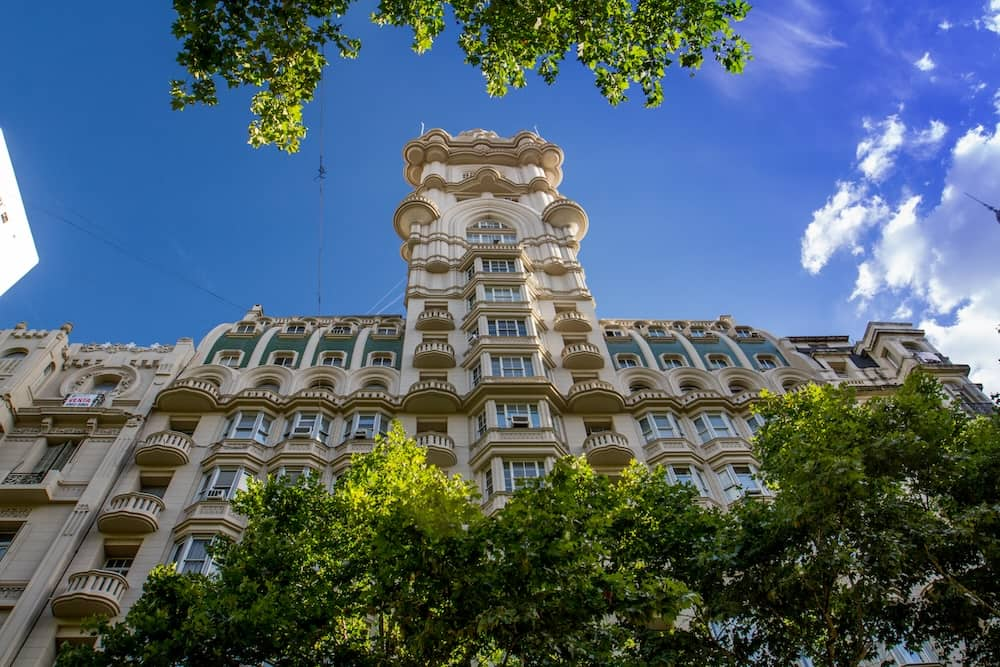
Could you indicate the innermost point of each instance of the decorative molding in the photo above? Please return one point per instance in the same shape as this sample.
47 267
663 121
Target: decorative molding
14 512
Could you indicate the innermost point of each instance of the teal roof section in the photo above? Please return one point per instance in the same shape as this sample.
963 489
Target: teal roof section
245 344
343 344
661 347
385 344
286 343
753 347
626 345
706 348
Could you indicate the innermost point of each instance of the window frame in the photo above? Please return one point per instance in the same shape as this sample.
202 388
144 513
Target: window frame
292 355
514 294
499 266
503 365
209 487
259 431
670 361
295 329
732 482
625 360
333 355
707 430
695 477
650 428
718 361
766 362
357 421
513 483
311 424
507 412
7 544
181 551
494 326
229 354
382 356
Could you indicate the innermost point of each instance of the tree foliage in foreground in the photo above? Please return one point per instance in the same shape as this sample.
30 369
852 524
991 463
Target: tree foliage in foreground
278 46
884 529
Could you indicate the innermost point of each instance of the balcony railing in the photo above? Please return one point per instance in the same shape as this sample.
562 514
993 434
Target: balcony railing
24 478
91 593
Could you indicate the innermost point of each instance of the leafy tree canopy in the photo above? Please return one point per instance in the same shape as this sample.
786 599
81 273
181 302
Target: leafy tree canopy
277 46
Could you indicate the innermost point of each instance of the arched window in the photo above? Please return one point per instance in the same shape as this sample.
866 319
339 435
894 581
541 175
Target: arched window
638 386
375 385
268 384
490 231
14 354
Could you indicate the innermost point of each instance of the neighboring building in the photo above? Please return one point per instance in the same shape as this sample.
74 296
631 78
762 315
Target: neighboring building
115 459
17 247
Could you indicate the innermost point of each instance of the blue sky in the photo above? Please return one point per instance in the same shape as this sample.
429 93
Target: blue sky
820 190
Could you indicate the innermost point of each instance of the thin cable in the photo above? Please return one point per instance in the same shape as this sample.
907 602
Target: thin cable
142 260
386 295
321 176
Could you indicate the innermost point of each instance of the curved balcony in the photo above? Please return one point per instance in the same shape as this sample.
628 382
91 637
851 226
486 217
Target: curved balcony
434 355
607 449
131 513
718 447
91 593
664 449
582 357
437 264
189 395
571 321
431 396
440 448
300 448
435 320
595 396
165 448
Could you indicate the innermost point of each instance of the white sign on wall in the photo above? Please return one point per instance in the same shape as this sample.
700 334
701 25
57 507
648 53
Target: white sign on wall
17 247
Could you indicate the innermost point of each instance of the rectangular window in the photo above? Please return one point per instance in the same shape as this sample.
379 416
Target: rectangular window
7 533
335 359
499 266
286 359
488 484
517 473
739 480
480 424
490 237
386 331
518 415
245 328
671 361
366 425
191 555
507 327
314 425
743 332
293 473
689 475
228 359
476 375
117 565
381 359
55 457
697 332
295 329
340 330
713 425
754 422
717 361
223 483
614 333
627 361
503 294
766 363
249 426
656 426
512 367
656 332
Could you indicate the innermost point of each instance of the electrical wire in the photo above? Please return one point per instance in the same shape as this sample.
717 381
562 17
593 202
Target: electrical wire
138 258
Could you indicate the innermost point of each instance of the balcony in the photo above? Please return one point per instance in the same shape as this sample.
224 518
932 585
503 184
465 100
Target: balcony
582 357
133 513
357 443
717 447
301 447
91 593
607 449
29 487
435 320
532 442
661 450
592 396
211 515
571 321
431 396
165 448
237 450
189 395
434 355
440 448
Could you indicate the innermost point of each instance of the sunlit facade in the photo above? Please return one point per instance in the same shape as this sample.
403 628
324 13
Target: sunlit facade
114 459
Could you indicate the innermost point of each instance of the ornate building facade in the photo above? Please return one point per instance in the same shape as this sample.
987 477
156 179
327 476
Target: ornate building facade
114 459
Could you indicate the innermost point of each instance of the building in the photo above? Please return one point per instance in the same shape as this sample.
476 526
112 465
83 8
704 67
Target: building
17 247
116 458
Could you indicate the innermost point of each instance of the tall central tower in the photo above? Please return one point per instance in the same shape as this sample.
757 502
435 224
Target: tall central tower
494 293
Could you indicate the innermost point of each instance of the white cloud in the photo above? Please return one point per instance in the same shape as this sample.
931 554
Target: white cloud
944 259
932 136
925 64
877 152
991 20
945 25
840 224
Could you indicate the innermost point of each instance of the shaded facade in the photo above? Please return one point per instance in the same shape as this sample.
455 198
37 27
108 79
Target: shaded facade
116 458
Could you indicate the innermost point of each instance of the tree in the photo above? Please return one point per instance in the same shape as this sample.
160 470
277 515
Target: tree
398 566
278 46
883 529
